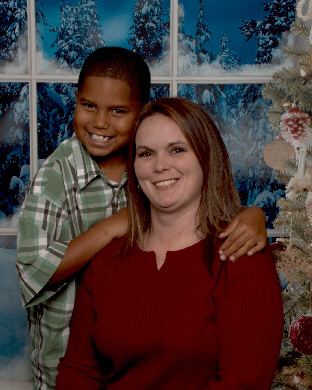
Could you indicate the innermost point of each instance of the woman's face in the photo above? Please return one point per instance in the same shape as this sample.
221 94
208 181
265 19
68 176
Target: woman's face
166 167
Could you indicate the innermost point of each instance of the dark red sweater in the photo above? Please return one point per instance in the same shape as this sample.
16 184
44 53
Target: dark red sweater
178 328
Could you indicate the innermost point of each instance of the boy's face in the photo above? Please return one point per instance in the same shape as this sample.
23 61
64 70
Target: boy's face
104 114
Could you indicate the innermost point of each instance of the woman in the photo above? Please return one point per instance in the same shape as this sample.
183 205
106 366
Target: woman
161 310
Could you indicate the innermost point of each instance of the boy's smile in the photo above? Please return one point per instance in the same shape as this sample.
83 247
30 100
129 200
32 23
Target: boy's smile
104 114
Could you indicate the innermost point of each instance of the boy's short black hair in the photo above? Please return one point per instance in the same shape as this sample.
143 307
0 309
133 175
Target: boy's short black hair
121 64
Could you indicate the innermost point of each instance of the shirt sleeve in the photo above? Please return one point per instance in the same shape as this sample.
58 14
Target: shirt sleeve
79 368
249 324
43 240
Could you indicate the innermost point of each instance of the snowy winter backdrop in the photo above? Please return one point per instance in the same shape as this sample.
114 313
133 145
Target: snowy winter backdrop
232 37
14 335
240 113
213 39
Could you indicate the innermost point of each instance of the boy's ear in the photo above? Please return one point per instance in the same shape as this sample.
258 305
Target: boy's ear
76 95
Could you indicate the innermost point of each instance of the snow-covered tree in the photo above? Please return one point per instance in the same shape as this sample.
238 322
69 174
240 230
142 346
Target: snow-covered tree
14 134
79 34
202 37
239 111
56 104
186 47
269 31
159 91
228 59
150 30
89 23
192 52
39 15
13 30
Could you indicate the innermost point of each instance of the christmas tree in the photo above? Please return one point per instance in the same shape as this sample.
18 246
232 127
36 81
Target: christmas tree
290 94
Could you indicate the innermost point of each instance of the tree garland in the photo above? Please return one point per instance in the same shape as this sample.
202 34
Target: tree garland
307 16
300 15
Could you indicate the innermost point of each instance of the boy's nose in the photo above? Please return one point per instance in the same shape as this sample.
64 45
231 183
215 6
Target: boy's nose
101 120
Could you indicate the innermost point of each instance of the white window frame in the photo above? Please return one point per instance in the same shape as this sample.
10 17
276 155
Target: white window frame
173 80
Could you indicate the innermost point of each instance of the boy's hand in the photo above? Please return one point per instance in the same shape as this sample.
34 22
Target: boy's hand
245 234
82 249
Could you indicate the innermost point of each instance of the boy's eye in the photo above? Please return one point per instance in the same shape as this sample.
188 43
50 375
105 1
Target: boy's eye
88 106
118 111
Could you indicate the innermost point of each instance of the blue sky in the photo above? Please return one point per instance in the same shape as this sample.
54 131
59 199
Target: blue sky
222 18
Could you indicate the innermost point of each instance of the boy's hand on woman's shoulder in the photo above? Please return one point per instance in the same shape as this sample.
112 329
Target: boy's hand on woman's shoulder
246 234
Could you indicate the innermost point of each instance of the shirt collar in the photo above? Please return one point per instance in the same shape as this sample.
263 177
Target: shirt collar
87 169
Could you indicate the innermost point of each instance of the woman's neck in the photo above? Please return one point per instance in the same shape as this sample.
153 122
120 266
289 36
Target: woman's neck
171 231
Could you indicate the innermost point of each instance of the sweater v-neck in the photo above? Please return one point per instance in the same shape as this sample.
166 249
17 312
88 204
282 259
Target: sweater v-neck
171 256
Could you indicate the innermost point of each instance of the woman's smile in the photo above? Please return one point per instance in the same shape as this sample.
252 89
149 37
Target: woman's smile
165 183
166 167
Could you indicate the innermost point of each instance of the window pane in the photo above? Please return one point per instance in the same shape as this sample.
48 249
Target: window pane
13 37
68 32
14 146
240 114
56 104
232 37
159 90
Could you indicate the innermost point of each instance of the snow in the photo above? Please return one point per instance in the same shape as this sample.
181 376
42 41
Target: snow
14 340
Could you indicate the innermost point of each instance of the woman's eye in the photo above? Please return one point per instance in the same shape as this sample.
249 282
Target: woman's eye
178 150
144 154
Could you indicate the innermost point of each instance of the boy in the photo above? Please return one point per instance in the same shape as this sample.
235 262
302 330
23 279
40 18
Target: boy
75 205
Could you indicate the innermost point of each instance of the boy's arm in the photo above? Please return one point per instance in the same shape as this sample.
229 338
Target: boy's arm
43 243
245 234
82 249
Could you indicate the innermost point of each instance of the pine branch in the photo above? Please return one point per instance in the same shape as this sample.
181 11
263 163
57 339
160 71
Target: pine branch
287 86
300 27
282 77
293 52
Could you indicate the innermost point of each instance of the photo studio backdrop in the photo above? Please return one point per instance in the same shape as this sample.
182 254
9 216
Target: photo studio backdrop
217 53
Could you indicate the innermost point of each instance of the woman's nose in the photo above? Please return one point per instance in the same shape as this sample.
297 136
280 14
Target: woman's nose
161 163
101 120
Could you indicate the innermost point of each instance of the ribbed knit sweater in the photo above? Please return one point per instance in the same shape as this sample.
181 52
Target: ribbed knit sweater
136 327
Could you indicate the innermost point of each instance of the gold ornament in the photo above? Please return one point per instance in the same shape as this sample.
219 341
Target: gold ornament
277 152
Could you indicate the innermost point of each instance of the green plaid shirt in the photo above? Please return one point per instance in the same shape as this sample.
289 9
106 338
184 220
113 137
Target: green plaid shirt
68 196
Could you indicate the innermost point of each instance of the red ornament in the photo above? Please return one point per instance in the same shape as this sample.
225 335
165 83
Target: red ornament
300 334
295 124
278 246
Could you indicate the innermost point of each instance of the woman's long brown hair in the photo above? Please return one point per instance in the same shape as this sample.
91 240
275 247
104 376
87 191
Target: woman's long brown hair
219 199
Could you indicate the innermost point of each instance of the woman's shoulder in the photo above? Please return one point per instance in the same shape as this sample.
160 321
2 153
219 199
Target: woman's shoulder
101 264
259 269
113 250
263 258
